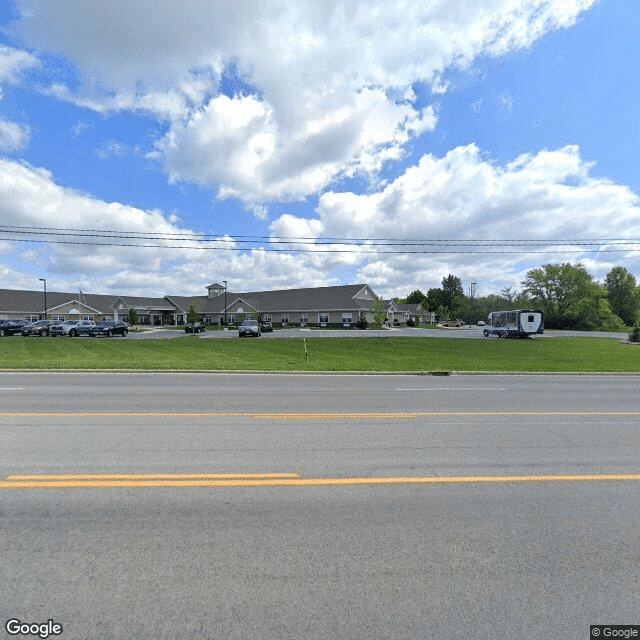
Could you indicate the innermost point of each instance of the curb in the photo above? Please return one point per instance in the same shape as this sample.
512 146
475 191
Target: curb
331 373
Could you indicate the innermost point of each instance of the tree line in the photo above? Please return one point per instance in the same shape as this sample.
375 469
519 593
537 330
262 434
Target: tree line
566 293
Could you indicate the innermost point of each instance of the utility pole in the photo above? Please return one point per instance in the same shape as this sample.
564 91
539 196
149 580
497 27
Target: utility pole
472 295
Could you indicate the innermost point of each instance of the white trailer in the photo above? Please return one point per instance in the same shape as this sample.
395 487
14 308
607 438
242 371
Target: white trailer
522 323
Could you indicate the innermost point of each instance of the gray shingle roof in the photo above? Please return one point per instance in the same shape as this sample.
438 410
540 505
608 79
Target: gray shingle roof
341 298
308 299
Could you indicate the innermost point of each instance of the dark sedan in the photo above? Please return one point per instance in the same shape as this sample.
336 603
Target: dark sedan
110 328
194 327
249 328
39 328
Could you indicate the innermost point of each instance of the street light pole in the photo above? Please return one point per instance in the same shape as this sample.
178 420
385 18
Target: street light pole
473 295
225 303
45 296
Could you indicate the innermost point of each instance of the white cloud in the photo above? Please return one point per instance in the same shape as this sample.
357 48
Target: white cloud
111 148
13 63
465 197
31 199
461 196
13 136
238 143
318 81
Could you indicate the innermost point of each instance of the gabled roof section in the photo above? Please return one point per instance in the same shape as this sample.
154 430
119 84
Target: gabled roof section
202 304
240 303
30 301
141 303
366 293
81 307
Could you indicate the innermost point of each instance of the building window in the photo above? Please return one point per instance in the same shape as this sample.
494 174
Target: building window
304 318
285 318
231 319
346 318
323 318
266 317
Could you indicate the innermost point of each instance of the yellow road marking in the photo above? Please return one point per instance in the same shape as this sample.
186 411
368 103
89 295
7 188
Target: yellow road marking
307 416
107 481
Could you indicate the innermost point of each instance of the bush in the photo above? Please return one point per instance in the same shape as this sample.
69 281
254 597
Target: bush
634 336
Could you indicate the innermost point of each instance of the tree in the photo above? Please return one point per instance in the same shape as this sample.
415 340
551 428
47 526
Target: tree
415 297
452 292
557 288
622 294
379 316
594 312
433 300
133 317
510 295
192 315
484 305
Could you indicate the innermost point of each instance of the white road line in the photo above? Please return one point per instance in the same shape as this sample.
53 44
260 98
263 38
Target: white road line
452 389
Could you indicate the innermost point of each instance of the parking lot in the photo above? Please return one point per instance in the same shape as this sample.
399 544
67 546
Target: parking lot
464 332
301 332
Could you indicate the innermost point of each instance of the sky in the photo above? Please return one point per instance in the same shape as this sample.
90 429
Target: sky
154 147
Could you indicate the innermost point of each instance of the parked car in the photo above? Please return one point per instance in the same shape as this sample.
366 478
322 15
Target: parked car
82 328
39 328
266 327
194 327
62 328
481 323
11 327
249 328
109 328
453 323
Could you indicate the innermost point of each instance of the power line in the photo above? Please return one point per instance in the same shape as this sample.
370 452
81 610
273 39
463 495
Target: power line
324 244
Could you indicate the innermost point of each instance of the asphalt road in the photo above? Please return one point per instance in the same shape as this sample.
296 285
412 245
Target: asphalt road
368 507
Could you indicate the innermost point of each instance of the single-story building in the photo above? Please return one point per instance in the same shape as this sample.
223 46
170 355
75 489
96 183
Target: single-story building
401 313
317 306
30 305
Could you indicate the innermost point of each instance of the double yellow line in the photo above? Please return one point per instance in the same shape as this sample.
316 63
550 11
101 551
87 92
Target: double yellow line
177 480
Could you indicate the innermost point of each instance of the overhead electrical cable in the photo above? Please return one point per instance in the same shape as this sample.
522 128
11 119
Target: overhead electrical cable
301 244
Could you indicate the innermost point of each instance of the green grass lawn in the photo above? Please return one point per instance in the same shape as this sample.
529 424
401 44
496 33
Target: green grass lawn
325 354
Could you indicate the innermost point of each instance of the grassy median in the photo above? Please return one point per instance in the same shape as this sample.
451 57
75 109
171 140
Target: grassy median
324 354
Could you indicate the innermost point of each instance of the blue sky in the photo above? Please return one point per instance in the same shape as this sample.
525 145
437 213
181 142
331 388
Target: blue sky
468 130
